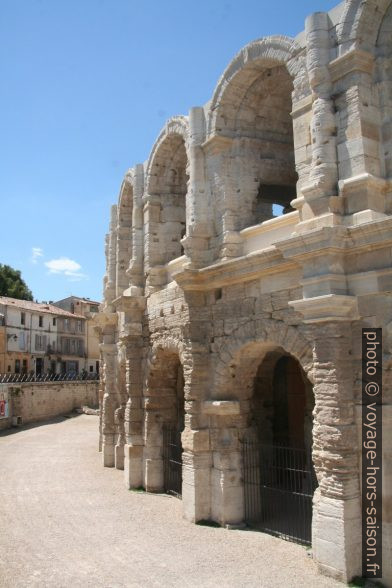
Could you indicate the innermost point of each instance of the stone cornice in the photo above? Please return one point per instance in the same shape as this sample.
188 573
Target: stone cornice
240 269
302 106
338 239
216 144
327 308
104 319
355 60
127 303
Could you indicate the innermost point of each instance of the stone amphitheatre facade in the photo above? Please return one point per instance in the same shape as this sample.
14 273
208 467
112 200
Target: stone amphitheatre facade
243 260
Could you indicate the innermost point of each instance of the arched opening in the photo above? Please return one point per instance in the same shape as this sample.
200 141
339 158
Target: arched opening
167 412
255 111
168 182
279 478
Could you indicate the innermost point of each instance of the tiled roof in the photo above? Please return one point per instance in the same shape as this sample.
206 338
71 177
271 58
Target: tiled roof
40 307
87 300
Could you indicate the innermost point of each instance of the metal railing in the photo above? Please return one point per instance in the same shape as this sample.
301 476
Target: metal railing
279 483
172 461
48 377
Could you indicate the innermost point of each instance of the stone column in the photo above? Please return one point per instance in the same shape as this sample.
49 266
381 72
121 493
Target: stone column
361 186
123 253
323 176
131 338
336 527
109 352
111 249
135 270
197 456
198 210
154 270
122 398
224 179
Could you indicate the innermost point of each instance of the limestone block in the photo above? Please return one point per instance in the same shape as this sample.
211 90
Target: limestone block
133 462
195 440
154 475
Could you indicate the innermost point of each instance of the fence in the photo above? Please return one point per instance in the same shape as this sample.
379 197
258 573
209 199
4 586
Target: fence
279 483
49 377
172 461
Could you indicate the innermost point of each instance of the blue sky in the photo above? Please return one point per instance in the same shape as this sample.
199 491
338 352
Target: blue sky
86 87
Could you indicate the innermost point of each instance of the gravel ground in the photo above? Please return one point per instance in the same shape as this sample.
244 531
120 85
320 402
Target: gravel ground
65 521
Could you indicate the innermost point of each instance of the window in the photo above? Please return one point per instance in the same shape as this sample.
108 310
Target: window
17 366
22 341
91 368
54 321
66 324
22 318
79 326
93 308
40 342
24 366
72 345
40 321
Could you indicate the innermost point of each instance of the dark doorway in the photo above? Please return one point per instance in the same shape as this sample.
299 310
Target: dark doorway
39 366
279 479
172 446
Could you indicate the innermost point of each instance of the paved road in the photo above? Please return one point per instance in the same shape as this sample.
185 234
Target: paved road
65 521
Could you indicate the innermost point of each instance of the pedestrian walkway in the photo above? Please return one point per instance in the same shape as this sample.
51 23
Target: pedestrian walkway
65 521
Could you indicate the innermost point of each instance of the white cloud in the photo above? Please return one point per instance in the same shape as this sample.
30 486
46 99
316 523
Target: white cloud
66 267
36 253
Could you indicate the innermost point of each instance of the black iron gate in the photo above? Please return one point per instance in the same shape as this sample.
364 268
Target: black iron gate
172 461
279 483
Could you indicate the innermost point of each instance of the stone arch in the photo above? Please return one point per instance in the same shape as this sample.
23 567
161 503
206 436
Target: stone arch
175 127
239 358
164 405
268 52
166 345
251 107
360 24
124 232
167 179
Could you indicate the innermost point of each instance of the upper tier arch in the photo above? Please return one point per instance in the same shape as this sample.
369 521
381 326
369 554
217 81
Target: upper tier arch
245 68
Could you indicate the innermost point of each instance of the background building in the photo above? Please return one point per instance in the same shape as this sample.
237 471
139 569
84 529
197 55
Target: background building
89 309
41 338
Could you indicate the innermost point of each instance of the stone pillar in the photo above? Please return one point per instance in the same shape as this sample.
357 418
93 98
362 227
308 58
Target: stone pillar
131 338
321 190
119 414
109 352
224 179
123 254
196 442
337 507
111 249
135 270
122 398
336 527
361 186
198 221
154 268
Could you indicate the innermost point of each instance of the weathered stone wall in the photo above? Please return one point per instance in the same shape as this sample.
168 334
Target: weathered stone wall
40 401
192 331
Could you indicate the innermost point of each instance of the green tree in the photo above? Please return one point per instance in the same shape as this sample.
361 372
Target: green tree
12 284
